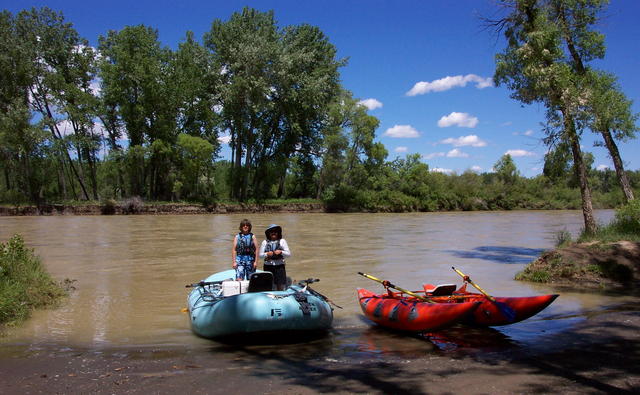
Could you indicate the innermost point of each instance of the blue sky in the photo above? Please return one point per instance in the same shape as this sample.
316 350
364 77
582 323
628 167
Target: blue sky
423 68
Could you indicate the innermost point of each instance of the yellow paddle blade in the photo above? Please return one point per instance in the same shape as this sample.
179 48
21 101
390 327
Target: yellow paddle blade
184 310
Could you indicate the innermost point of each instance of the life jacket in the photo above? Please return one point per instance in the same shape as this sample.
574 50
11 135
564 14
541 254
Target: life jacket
272 246
244 245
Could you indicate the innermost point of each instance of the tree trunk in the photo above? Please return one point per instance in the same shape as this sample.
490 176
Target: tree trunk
581 172
237 167
617 163
283 177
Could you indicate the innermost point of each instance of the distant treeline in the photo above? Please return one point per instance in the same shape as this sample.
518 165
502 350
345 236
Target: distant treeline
135 118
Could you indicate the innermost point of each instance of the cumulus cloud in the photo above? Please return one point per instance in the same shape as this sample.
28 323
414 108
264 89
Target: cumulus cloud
525 133
519 152
456 153
401 149
441 170
371 104
470 140
224 139
603 167
461 119
476 169
433 155
402 131
449 82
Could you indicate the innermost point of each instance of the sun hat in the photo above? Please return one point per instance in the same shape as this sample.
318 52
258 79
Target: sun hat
273 227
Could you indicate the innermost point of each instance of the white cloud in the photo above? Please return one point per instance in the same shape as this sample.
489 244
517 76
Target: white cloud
402 131
449 82
441 170
508 123
224 139
525 133
456 153
461 119
401 149
519 152
476 169
433 155
462 141
603 167
371 104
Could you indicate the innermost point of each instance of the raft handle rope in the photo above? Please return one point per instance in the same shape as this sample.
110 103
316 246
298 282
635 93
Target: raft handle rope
314 292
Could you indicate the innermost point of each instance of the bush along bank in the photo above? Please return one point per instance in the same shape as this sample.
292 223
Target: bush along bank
132 206
610 258
24 283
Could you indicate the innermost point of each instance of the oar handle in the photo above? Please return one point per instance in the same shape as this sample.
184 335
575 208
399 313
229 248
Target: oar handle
202 284
476 286
390 285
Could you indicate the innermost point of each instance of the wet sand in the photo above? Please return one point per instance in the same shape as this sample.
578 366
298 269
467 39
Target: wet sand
599 355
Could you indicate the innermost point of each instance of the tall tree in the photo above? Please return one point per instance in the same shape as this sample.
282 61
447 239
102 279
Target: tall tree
62 68
539 64
350 155
135 74
277 85
611 116
244 48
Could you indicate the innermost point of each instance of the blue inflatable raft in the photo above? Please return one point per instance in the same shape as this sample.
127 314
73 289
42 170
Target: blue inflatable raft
219 306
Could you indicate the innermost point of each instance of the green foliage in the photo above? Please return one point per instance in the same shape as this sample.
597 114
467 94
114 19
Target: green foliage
24 283
294 131
625 226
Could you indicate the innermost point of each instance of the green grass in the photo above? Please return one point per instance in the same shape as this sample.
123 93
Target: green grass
24 283
625 226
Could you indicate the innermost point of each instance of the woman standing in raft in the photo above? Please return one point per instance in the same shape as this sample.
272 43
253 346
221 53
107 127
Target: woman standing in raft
274 250
243 253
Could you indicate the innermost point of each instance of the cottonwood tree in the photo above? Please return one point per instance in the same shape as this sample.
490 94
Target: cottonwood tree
276 87
135 75
539 65
611 116
57 70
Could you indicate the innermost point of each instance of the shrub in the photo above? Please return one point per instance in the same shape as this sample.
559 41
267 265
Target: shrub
628 217
563 238
132 205
24 283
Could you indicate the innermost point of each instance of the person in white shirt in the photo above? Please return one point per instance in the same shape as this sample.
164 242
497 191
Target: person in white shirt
274 250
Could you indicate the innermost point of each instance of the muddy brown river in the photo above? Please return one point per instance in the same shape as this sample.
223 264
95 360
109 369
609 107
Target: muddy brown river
130 271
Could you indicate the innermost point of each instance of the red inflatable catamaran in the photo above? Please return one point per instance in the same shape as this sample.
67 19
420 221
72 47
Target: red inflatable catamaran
436 307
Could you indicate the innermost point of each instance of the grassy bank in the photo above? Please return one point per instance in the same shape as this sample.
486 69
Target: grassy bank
608 258
24 282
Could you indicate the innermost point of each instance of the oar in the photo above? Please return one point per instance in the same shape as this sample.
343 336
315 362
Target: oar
387 284
507 311
202 284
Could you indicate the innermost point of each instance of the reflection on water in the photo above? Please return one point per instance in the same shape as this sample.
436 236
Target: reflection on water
131 271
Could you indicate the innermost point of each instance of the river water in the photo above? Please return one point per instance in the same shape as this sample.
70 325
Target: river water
131 271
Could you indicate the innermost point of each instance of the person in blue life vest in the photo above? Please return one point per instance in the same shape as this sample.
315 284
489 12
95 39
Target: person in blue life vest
274 250
243 254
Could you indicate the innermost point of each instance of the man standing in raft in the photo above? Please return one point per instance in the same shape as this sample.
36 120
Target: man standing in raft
274 250
244 251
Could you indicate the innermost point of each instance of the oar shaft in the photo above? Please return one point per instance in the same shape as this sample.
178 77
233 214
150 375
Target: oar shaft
389 285
467 279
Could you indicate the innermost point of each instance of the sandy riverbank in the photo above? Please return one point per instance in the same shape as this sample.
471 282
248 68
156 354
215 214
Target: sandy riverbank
599 355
